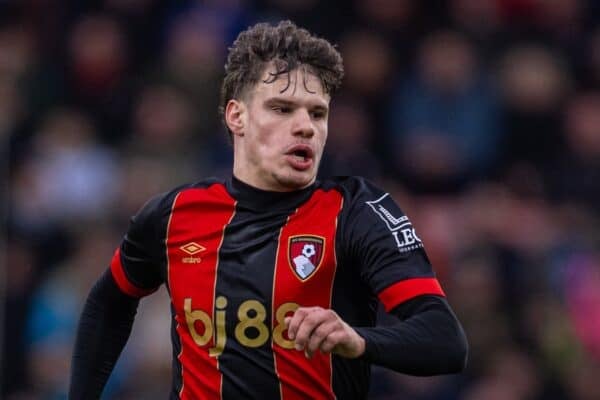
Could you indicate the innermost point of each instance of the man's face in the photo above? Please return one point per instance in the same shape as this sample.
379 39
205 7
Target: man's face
283 133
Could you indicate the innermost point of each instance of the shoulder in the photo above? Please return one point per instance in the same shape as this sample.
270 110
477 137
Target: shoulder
353 188
161 204
367 207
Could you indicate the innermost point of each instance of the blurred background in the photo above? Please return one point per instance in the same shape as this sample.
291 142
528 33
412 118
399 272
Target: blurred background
481 117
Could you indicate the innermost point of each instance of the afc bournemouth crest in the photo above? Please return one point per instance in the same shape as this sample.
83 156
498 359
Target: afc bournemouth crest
305 254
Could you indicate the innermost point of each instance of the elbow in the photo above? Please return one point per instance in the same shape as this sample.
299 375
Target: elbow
451 356
458 357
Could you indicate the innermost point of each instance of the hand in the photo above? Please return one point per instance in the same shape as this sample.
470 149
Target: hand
315 328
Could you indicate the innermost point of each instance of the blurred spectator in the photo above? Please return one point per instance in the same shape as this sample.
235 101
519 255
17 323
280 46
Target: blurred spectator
534 83
142 23
291 6
19 283
193 63
392 16
580 157
591 60
316 15
368 63
444 118
55 311
69 176
515 366
562 19
349 151
481 18
149 353
10 107
143 178
98 73
16 51
394 386
582 289
484 319
16 57
369 70
440 227
98 56
583 383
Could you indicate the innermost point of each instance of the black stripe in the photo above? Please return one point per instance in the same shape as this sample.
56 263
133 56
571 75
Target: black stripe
352 299
177 368
245 272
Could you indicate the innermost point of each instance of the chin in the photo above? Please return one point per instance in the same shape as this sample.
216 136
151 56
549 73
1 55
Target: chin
295 182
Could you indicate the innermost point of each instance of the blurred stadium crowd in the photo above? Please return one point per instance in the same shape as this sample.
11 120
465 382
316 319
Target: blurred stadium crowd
481 117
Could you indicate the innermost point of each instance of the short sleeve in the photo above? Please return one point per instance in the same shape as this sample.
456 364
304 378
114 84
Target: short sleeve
136 265
381 242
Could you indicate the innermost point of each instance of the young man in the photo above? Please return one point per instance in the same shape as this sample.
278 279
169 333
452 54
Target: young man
274 277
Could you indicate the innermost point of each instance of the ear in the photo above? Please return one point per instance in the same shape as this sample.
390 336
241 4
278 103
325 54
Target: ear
235 116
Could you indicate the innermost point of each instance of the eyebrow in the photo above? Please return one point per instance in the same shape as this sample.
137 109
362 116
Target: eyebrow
286 102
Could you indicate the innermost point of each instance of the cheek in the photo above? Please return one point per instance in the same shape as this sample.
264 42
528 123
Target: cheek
264 128
272 133
323 137
266 142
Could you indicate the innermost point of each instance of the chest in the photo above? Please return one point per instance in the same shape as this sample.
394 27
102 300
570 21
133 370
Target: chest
222 257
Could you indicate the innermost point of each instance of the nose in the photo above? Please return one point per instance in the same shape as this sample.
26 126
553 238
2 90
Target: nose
303 125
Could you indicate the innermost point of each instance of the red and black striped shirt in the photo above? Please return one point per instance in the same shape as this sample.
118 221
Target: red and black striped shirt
236 260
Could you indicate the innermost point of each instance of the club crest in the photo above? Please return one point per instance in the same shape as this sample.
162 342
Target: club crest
305 254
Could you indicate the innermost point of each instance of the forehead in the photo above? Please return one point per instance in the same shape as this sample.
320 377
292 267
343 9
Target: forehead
299 84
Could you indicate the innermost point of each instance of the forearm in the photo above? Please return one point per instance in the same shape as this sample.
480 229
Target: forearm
103 330
428 340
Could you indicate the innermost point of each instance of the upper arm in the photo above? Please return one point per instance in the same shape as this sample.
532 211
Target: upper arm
138 263
382 243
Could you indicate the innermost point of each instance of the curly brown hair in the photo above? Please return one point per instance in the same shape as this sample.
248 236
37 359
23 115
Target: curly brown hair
288 47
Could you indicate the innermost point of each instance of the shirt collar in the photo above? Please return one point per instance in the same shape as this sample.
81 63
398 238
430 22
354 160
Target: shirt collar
253 198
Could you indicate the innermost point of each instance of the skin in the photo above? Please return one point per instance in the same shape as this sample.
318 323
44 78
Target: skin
316 328
269 121
279 133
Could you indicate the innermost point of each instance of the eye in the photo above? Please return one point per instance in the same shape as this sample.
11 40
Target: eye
281 109
318 114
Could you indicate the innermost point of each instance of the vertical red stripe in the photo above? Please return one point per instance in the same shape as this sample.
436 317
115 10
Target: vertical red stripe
301 378
199 216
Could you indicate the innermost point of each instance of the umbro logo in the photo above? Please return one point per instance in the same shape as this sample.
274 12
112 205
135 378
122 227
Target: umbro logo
192 248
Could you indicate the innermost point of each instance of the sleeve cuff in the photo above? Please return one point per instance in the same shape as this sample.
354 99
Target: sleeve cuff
405 290
364 333
118 273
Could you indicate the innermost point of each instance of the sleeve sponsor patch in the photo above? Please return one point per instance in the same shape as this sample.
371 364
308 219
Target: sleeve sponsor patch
399 226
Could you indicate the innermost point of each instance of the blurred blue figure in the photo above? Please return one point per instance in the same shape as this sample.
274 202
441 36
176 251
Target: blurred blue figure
444 118
53 317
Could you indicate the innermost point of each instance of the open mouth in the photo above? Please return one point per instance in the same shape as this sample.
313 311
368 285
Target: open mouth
300 156
301 152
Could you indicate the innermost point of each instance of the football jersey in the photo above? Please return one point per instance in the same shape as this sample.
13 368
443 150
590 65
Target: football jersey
237 260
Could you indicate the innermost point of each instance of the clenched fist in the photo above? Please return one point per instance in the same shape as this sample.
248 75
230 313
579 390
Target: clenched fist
313 328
